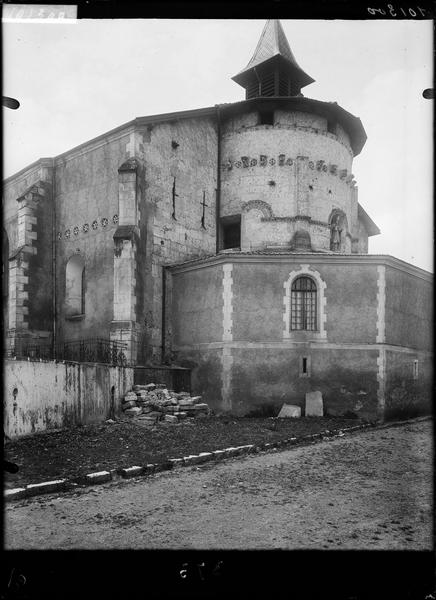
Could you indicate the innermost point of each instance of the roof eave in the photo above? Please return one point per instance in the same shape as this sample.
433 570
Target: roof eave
368 223
243 76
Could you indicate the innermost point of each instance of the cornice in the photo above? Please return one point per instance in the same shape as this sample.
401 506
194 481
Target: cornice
27 171
265 257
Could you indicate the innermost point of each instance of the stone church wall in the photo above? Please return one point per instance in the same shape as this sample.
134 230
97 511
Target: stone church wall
409 384
180 159
350 299
229 327
296 167
265 377
198 303
409 309
409 333
240 314
28 226
86 219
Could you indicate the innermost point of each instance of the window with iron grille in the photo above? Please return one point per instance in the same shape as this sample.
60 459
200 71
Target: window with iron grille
303 304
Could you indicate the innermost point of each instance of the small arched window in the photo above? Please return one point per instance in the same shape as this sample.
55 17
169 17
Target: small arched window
75 287
303 304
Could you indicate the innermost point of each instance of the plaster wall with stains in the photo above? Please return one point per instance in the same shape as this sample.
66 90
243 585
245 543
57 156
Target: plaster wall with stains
41 396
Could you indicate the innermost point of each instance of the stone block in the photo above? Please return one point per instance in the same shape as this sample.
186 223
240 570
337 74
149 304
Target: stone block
248 448
98 477
314 404
46 487
170 419
202 406
205 456
232 451
15 494
289 411
133 412
147 387
219 454
155 414
196 399
186 402
130 396
132 471
181 415
128 405
176 462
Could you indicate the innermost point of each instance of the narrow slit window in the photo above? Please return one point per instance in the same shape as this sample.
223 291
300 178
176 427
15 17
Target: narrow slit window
415 369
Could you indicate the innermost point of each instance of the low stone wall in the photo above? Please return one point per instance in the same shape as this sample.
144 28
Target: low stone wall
51 395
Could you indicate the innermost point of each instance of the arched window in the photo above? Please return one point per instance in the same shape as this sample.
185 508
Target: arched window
75 287
303 304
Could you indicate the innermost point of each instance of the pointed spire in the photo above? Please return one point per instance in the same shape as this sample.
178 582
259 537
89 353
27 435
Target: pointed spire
272 70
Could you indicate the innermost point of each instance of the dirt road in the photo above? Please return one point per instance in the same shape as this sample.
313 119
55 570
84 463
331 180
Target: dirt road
368 490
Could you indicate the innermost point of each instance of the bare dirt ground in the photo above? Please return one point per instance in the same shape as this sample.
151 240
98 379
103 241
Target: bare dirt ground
123 443
369 490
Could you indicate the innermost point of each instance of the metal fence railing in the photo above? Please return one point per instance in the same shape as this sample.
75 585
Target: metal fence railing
88 350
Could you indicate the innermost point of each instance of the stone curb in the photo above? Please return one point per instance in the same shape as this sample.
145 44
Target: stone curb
59 485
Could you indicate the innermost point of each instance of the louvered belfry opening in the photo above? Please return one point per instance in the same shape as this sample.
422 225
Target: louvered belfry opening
273 70
272 81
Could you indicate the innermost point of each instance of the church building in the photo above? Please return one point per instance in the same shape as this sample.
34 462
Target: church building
228 240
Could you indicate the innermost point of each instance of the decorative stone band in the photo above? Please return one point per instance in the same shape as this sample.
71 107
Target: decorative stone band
264 207
85 228
296 218
321 332
282 160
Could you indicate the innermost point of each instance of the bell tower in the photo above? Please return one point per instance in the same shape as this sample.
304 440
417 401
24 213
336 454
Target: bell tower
273 70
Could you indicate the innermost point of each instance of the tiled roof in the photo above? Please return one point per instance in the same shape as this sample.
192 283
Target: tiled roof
273 43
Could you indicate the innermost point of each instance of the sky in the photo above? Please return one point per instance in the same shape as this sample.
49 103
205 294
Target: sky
76 81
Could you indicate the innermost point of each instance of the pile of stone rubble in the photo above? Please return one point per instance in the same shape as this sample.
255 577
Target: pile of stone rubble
154 402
